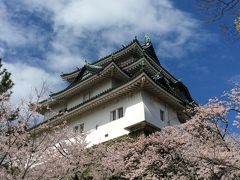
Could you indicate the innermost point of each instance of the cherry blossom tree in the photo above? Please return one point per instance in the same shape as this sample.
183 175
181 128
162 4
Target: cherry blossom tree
44 152
201 148
237 24
194 150
224 12
233 103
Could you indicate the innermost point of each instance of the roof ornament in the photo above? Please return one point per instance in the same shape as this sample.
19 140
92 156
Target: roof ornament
147 40
157 76
92 67
112 57
142 65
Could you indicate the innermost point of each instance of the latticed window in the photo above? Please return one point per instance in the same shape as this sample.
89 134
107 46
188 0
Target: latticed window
116 114
113 115
120 112
162 115
79 128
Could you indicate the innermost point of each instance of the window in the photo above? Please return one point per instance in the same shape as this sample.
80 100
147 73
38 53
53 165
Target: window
79 128
113 115
116 114
120 112
61 111
162 115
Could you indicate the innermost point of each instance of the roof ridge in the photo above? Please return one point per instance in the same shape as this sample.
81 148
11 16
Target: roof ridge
140 73
79 81
128 45
105 57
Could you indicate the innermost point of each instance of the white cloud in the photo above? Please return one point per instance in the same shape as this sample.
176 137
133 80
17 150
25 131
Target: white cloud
2 52
116 22
26 78
83 28
65 61
124 17
9 33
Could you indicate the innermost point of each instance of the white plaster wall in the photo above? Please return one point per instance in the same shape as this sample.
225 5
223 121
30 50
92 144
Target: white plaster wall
133 109
94 90
75 100
78 97
100 87
54 110
172 117
152 106
137 107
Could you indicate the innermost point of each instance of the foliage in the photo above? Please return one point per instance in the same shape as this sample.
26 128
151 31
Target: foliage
201 148
237 23
191 151
44 152
226 12
5 83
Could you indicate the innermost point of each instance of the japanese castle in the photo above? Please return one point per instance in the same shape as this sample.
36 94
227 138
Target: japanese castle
125 92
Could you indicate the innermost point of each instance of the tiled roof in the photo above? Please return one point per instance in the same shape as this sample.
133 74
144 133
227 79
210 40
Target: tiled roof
103 58
79 80
174 86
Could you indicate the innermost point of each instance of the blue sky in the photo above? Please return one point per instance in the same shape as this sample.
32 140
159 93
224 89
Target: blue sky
39 39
